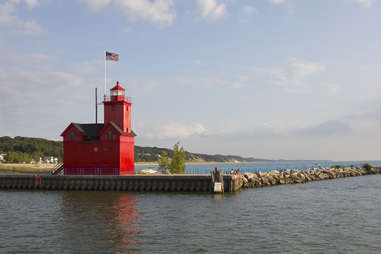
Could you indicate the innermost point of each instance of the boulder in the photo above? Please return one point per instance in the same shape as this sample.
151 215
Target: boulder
323 176
272 180
265 181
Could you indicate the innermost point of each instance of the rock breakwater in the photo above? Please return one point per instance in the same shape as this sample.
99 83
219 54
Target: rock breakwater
293 176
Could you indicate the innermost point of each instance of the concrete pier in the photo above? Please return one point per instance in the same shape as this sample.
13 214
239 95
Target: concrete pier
147 183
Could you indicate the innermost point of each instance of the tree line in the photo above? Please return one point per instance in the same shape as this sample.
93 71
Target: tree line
26 149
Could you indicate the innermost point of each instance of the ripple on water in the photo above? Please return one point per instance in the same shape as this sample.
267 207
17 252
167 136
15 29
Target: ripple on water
335 216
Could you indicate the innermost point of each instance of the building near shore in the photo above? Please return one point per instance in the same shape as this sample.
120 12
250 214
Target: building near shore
48 159
2 157
102 149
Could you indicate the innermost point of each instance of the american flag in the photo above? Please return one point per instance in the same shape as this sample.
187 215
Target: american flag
112 56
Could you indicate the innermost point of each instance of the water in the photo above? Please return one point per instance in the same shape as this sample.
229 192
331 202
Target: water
263 165
333 216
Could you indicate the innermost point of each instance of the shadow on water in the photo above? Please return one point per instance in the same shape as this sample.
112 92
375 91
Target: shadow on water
100 222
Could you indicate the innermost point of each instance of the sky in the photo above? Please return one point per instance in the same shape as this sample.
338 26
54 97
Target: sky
276 79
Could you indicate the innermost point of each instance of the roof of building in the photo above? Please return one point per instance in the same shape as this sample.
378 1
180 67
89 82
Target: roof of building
117 87
89 130
120 130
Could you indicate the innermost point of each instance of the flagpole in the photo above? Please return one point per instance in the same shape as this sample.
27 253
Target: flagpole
104 90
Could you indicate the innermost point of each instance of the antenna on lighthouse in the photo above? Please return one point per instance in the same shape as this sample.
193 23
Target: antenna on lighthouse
96 105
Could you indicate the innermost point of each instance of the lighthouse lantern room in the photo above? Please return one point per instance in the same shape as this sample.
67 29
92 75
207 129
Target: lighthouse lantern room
102 149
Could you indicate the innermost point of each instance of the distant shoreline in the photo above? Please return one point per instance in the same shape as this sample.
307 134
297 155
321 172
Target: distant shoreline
191 162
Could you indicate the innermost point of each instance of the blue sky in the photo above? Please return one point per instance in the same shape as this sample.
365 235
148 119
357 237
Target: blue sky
291 79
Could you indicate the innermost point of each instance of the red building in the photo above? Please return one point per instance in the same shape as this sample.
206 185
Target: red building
102 149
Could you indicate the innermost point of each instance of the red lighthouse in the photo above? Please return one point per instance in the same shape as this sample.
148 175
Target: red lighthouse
102 149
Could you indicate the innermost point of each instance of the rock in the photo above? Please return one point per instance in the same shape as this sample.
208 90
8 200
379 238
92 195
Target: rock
274 173
323 176
245 183
265 181
272 180
250 176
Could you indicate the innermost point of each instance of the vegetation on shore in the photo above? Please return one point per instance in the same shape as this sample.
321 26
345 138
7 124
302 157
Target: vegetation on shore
26 168
176 164
25 149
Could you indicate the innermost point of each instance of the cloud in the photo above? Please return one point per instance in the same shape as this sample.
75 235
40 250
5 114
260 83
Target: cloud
293 77
365 3
44 89
211 9
277 1
296 76
173 130
327 128
301 69
31 3
249 10
215 81
333 88
29 27
97 5
6 13
157 11
8 19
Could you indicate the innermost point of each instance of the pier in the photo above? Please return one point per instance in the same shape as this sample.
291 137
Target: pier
215 182
141 183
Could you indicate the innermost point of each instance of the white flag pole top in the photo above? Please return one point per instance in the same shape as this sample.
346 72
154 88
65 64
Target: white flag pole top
111 57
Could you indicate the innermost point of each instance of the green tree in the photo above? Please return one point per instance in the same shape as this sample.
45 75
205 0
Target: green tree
18 157
177 165
163 162
367 167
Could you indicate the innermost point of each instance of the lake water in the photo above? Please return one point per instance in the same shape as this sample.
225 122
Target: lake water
263 165
333 216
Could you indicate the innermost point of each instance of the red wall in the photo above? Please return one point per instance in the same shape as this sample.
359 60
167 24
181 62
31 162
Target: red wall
118 112
127 117
112 157
127 160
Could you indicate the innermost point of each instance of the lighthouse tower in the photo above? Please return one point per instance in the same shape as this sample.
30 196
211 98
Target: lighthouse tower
117 115
102 149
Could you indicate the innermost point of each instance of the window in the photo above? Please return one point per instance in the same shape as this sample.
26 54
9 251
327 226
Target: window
109 135
72 136
117 93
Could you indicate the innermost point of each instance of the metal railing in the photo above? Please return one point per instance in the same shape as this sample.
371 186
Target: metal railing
107 98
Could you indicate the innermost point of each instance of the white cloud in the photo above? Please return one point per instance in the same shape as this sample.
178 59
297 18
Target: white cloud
42 84
211 9
297 76
31 3
97 5
333 88
293 77
8 19
174 130
157 11
249 10
301 69
365 3
29 27
6 11
197 62
277 1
